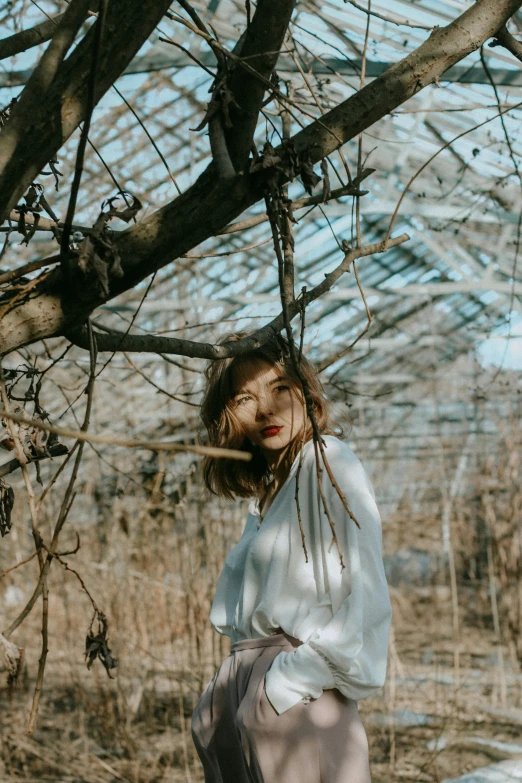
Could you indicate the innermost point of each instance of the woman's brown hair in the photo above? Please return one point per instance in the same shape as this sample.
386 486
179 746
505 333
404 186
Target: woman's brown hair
228 477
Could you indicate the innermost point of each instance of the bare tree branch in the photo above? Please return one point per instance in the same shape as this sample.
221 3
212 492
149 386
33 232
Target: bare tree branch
209 205
57 106
118 341
445 47
46 224
80 435
263 40
239 88
61 41
31 266
401 21
508 41
43 224
26 39
80 154
9 460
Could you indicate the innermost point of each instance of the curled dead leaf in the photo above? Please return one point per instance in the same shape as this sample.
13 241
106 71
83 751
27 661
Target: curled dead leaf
96 646
6 507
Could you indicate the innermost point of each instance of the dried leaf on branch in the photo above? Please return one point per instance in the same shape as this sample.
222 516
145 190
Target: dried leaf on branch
96 646
97 253
35 202
6 507
35 442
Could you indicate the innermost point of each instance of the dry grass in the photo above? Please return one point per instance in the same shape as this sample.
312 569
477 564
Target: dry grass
152 566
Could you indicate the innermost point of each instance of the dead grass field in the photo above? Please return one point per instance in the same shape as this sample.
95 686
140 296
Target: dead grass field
152 565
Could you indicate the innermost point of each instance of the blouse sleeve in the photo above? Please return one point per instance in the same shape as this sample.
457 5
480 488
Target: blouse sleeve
350 652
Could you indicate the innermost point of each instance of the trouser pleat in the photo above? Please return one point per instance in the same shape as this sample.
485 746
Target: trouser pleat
240 738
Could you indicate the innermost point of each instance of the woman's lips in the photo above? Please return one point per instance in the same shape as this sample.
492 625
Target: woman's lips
269 432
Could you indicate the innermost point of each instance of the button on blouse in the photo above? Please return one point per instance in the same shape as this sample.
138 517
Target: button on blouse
342 616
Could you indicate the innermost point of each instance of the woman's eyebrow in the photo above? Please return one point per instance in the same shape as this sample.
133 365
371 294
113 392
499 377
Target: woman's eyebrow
246 391
241 391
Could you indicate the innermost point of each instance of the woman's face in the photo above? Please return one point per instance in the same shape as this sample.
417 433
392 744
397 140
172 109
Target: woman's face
266 405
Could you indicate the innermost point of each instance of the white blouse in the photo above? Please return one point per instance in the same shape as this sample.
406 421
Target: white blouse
342 616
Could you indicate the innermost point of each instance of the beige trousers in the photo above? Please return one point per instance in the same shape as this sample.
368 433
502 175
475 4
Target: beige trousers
240 738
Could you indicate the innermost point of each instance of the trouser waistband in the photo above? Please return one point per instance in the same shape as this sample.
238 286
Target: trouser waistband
275 640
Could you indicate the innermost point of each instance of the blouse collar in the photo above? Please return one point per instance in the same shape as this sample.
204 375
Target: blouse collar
253 506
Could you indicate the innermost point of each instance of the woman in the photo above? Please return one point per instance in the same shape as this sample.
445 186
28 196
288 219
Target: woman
309 637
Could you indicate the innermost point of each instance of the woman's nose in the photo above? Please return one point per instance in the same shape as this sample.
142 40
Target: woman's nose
264 407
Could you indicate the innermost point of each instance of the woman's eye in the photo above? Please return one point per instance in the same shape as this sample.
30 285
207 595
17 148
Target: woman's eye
241 399
282 387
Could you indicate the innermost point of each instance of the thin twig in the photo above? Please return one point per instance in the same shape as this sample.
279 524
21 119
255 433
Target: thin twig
31 266
150 138
435 154
360 139
332 359
64 432
131 324
295 58
226 252
182 347
67 567
82 144
201 26
155 385
241 62
62 516
44 566
400 23
504 38
285 291
519 177
188 53
21 563
23 292
42 582
56 475
347 190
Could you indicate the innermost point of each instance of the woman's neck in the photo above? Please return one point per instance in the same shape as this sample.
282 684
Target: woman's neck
278 464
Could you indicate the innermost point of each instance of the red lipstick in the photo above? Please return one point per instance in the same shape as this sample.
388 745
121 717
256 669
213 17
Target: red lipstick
269 432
